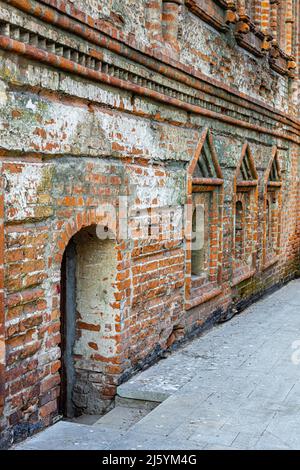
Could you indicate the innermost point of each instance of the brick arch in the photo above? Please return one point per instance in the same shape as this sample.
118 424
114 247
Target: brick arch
73 226
274 157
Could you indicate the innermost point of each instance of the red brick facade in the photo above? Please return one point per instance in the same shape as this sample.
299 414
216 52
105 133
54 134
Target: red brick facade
136 120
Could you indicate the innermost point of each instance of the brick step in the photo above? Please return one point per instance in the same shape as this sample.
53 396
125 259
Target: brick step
69 435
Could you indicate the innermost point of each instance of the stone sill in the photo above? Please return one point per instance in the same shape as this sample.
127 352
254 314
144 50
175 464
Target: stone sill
270 262
243 277
211 294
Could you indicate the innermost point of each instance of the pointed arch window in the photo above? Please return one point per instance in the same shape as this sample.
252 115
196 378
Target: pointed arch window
245 217
204 223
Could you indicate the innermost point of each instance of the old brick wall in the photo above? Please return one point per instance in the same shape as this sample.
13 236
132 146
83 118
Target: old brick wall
108 108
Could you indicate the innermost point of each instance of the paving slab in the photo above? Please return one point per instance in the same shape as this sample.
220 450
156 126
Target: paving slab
66 435
161 380
121 418
145 441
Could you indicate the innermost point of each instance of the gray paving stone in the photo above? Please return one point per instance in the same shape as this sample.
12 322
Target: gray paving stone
221 437
203 424
246 440
269 441
69 436
246 423
219 447
134 441
121 418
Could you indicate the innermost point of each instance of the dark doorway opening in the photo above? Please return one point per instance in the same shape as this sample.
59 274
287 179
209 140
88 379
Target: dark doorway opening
68 329
88 275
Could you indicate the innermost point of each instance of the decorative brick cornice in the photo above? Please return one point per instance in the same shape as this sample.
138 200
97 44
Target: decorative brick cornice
252 39
211 11
292 65
178 2
231 14
260 36
256 37
144 56
267 42
91 64
243 25
281 62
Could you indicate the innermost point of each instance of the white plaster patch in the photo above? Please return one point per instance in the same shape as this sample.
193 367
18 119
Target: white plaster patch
22 191
104 94
148 187
51 127
45 126
95 278
31 105
2 351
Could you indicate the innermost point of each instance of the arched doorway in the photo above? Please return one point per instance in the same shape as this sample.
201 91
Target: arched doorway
88 274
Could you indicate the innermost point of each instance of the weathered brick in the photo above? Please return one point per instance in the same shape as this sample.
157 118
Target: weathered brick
191 115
